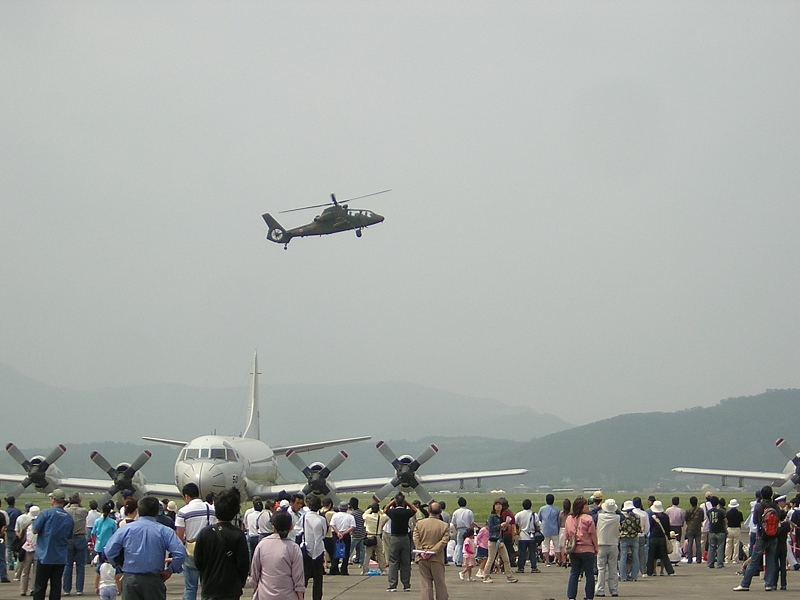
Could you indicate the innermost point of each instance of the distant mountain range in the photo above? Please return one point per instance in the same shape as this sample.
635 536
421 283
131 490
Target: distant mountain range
289 413
633 451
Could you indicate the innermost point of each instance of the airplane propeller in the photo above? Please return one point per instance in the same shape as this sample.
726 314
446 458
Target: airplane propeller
317 474
122 479
36 470
789 453
405 471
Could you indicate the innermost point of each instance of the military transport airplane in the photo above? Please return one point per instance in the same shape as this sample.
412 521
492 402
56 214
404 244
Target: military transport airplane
217 462
783 482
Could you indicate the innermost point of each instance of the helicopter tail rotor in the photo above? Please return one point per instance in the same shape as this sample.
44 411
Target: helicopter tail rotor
276 231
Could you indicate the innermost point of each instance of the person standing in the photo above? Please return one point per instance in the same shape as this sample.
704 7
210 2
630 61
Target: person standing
359 533
222 555
527 525
608 523
13 514
431 536
78 550
677 517
190 519
717 532
584 556
342 523
497 524
659 534
104 527
145 543
463 518
548 516
54 530
374 520
694 524
29 546
644 521
735 519
629 531
314 528
399 512
766 545
277 567
91 519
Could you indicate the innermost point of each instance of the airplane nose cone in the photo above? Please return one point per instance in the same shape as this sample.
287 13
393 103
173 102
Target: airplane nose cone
208 477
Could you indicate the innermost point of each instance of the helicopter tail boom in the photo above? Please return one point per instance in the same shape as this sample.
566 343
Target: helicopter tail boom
276 231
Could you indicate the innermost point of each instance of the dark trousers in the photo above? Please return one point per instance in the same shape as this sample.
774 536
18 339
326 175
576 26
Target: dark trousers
328 541
147 586
658 551
47 574
314 569
345 561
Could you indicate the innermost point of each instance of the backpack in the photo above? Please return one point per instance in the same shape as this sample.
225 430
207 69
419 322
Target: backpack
769 522
630 526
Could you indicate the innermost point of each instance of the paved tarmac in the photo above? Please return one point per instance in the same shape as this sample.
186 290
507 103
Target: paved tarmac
690 581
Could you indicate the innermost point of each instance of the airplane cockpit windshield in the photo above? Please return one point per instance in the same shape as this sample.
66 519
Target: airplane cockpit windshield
227 454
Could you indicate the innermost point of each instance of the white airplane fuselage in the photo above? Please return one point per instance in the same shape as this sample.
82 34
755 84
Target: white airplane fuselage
216 462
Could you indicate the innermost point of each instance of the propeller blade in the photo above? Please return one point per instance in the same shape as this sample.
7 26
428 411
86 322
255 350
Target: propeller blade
138 463
101 462
423 494
364 196
387 489
787 450
426 455
386 452
19 457
55 454
19 489
337 460
298 462
334 498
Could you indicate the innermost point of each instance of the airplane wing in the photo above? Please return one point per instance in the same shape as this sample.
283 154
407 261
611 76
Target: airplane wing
281 450
375 483
101 485
165 441
776 478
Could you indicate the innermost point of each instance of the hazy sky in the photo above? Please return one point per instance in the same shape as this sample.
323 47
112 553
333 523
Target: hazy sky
594 206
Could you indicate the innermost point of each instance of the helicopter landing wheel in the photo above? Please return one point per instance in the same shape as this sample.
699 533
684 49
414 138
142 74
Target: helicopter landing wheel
358 233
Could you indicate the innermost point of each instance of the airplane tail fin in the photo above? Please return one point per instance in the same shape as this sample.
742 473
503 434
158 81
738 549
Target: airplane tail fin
276 232
253 429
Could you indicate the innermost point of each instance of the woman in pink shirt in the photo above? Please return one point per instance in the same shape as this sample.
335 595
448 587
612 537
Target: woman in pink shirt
584 557
277 567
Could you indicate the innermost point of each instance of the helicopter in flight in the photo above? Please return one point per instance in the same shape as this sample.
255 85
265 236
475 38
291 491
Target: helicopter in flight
335 218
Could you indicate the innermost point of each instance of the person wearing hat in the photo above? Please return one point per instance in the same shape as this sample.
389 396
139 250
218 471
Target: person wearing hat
629 531
594 509
54 529
659 528
608 525
342 524
28 547
735 518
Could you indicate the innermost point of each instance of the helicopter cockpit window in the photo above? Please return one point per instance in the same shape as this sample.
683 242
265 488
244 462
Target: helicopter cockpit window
192 453
218 453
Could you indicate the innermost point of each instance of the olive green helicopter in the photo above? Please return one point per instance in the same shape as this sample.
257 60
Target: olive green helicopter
335 218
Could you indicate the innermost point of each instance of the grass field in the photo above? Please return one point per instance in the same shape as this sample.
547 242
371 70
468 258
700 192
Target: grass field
481 504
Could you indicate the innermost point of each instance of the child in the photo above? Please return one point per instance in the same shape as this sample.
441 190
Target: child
482 555
469 555
108 581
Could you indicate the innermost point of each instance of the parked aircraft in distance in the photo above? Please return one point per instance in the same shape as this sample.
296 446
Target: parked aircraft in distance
216 462
783 482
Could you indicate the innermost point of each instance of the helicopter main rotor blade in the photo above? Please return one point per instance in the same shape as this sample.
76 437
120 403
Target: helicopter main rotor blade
306 207
365 195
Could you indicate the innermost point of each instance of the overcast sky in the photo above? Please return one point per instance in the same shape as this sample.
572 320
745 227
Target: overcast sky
594 206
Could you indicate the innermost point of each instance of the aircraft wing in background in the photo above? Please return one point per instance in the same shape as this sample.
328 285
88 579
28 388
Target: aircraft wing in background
281 450
775 479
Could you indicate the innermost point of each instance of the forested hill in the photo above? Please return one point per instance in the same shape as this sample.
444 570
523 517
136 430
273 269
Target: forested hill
640 449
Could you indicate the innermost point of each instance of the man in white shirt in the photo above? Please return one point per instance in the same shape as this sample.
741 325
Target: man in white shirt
314 527
462 519
527 523
342 524
188 522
